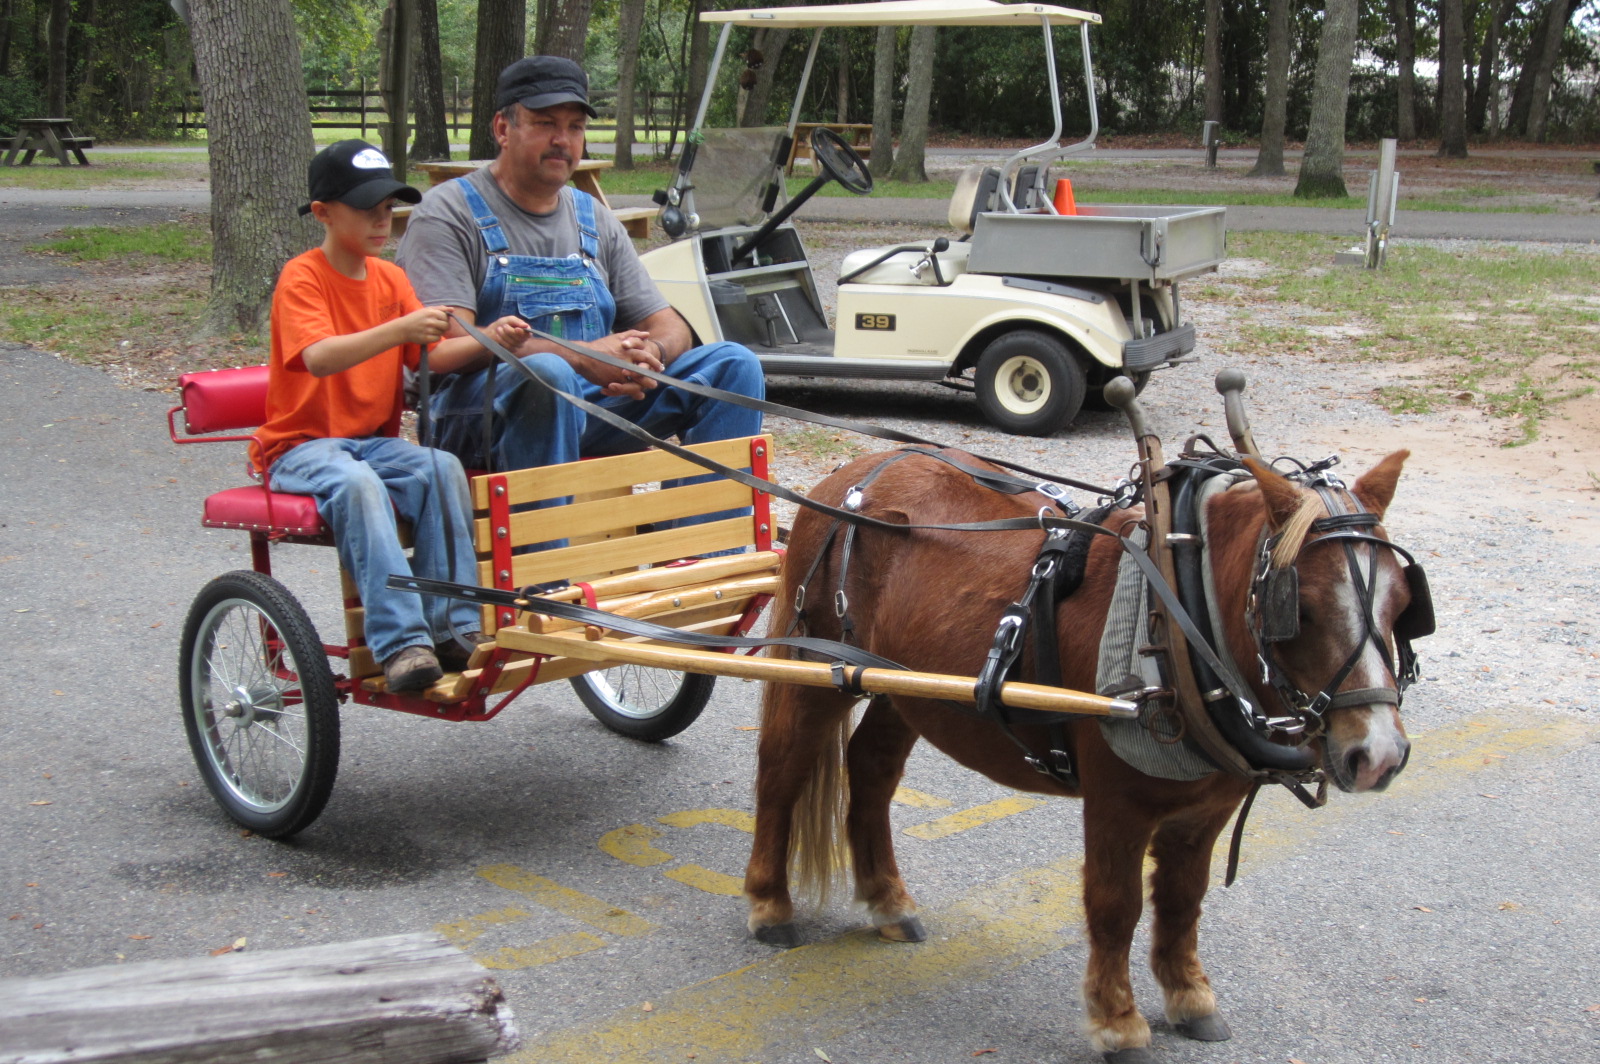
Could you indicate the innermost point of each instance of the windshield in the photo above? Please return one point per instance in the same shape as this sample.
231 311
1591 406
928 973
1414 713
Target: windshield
733 169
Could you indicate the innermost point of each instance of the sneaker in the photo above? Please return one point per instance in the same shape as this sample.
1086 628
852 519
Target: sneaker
453 656
412 669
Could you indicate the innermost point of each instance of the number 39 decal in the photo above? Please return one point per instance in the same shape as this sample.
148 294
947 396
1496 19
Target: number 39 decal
875 321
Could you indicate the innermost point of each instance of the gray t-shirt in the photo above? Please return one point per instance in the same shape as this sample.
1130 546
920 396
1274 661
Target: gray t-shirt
443 254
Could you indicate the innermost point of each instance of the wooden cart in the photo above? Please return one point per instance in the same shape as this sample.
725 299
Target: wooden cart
260 698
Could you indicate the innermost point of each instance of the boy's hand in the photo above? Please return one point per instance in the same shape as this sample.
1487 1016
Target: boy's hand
424 326
510 332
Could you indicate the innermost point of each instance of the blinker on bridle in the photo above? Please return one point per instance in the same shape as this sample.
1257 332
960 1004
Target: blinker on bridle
1273 611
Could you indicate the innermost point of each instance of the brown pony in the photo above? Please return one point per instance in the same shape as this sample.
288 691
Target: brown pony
930 600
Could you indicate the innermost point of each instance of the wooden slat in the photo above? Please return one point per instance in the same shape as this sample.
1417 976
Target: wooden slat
405 999
651 606
623 514
698 571
814 674
572 478
571 563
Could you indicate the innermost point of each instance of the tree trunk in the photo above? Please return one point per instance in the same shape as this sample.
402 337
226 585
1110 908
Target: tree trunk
910 163
842 80
1452 89
760 97
8 13
502 33
1488 61
1322 169
247 56
55 85
1269 160
1544 74
1404 13
563 27
630 23
882 160
699 59
1212 48
432 139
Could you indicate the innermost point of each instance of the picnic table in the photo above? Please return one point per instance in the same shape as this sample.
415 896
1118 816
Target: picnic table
53 135
636 220
857 134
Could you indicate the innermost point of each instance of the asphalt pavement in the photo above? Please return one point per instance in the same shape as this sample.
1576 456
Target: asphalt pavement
1453 919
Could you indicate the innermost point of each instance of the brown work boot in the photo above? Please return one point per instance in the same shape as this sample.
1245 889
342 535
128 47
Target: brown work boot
453 656
412 669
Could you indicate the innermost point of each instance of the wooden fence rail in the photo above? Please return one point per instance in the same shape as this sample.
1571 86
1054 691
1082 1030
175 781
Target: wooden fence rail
405 999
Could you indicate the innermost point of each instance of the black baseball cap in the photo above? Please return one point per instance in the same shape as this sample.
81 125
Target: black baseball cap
537 81
355 173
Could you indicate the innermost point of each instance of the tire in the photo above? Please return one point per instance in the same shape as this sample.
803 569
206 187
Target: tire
644 703
1096 399
1028 383
259 704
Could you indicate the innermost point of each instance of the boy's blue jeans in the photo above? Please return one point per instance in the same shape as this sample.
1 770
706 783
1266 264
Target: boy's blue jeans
360 486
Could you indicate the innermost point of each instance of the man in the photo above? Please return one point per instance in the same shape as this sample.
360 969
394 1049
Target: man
515 238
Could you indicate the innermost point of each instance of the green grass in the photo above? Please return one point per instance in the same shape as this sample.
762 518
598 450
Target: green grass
1510 330
106 169
170 242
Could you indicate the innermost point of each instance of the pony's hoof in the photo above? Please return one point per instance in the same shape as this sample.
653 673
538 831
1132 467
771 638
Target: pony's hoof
908 930
1131 1055
785 935
1211 1028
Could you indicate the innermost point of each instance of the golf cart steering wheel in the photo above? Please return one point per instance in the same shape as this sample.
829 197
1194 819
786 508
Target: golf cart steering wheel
842 162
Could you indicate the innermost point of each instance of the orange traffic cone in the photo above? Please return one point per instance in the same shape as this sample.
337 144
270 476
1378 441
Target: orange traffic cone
1065 204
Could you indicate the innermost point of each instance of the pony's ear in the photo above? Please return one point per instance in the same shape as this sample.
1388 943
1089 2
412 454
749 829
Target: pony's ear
1278 492
1375 487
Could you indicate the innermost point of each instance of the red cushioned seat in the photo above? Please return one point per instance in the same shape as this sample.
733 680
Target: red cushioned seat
255 509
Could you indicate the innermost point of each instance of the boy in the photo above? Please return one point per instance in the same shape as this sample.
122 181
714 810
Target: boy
345 324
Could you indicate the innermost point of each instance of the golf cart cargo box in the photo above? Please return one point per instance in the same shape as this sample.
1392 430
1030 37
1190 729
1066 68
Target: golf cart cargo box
1116 241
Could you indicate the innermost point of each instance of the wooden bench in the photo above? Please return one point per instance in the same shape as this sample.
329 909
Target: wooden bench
857 134
636 220
54 136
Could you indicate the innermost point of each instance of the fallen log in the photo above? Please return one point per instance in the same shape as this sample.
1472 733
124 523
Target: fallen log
403 999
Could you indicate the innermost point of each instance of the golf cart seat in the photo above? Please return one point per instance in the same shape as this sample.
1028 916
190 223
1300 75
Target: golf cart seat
897 264
976 193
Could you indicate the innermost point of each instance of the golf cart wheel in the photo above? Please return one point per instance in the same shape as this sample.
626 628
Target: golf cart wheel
259 704
1096 399
644 703
1029 383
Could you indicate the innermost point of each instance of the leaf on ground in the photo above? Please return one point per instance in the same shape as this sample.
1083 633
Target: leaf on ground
821 1054
1422 908
41 802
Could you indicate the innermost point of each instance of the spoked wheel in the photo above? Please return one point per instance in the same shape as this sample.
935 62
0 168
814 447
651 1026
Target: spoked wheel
259 704
1028 383
644 703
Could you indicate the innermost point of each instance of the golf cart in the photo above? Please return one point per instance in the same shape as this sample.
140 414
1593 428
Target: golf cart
1032 308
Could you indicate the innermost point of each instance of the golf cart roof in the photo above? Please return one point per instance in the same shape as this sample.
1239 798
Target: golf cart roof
904 13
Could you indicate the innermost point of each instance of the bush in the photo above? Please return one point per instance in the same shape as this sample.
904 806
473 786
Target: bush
19 98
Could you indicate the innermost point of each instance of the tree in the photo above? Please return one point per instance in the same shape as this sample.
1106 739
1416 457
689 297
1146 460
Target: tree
1322 168
562 27
1212 48
1555 27
1269 160
502 33
432 139
247 55
1452 86
910 162
1488 60
883 102
769 43
630 22
1405 57
55 90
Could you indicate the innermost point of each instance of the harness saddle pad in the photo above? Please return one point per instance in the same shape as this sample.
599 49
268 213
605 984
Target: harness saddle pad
1144 742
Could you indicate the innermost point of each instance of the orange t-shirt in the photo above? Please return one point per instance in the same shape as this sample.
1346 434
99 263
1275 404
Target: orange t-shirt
312 302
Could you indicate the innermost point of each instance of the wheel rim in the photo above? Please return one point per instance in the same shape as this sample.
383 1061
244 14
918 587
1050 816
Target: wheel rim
249 706
636 691
1022 385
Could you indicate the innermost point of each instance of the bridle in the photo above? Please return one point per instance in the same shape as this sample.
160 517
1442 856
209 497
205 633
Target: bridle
1272 611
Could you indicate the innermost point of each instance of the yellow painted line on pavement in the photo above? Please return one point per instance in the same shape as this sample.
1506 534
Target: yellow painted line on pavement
701 878
978 815
732 818
566 901
545 951
462 932
813 994
919 800
632 845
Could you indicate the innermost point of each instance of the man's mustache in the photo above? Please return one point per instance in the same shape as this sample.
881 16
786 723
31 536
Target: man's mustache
563 156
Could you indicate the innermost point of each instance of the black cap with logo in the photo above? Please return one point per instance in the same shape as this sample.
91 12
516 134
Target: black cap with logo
543 81
356 174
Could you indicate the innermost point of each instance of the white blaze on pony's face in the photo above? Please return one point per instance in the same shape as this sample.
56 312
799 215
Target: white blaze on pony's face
1364 746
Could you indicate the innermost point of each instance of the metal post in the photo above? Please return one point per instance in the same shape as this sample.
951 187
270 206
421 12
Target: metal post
1211 139
1382 195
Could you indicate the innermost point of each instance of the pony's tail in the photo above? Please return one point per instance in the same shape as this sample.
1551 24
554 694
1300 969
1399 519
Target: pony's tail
819 854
